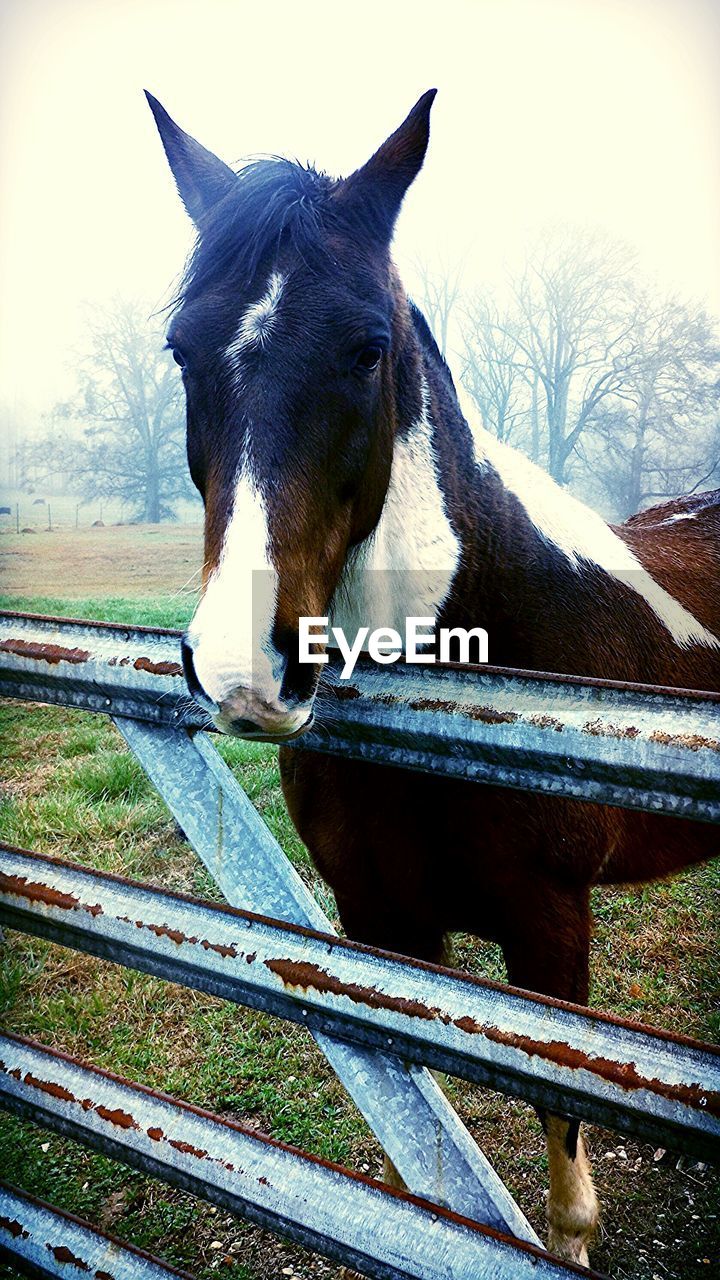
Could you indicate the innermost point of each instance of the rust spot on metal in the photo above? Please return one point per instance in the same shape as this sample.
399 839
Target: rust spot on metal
624 1074
490 715
304 976
547 722
221 948
34 891
691 741
156 1134
47 1086
188 1149
52 653
164 931
251 957
263 1181
122 1119
431 704
14 1228
62 1254
468 1024
603 729
104 1275
158 668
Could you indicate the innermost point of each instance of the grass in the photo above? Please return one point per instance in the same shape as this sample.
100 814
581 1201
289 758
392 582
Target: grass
70 788
165 611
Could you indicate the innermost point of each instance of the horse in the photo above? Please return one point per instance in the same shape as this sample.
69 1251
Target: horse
342 477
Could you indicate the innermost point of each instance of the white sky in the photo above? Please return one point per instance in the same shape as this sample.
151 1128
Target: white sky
602 112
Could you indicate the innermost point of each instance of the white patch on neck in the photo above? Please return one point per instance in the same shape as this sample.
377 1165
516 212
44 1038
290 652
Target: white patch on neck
256 326
579 532
230 632
683 515
407 565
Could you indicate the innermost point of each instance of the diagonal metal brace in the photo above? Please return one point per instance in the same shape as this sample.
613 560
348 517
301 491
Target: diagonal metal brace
401 1102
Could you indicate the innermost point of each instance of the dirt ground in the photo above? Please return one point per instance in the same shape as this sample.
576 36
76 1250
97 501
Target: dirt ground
118 560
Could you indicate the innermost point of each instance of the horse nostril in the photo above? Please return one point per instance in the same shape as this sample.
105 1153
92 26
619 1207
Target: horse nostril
191 678
245 728
298 679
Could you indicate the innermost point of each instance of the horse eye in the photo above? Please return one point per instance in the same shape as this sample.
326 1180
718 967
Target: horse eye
369 358
178 357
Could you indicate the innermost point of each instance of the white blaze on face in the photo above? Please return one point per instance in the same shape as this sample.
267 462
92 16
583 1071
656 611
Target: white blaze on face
579 532
257 324
231 631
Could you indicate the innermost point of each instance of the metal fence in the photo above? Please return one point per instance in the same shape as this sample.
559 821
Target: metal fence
380 1020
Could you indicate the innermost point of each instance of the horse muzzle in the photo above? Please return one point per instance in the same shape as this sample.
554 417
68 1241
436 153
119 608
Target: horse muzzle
244 716
244 712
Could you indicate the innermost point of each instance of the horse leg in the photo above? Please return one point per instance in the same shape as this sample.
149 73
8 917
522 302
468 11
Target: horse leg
549 953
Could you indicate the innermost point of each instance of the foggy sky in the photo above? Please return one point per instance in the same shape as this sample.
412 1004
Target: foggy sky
598 112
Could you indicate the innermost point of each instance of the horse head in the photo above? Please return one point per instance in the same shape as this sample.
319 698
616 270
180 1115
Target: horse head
289 331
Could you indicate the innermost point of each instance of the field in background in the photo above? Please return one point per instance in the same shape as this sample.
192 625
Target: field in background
37 508
69 788
152 562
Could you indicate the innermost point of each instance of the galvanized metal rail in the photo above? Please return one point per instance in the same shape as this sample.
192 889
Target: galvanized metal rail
41 1241
632 746
387 1234
627 745
630 1077
402 1103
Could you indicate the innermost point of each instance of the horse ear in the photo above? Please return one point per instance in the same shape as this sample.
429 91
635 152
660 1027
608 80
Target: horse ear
380 185
201 177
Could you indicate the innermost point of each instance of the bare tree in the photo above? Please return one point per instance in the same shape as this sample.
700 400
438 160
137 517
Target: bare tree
437 296
494 372
660 435
574 333
129 406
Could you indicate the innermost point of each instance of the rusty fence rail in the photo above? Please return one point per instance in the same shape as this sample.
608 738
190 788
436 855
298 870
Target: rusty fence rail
555 1055
46 1242
635 746
376 1017
347 1217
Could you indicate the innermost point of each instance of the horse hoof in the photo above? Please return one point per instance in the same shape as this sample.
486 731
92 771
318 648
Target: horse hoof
570 1248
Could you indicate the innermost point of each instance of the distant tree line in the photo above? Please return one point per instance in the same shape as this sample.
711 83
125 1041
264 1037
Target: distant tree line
123 435
612 387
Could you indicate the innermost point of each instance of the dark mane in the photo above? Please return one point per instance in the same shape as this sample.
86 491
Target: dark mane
274 200
428 343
